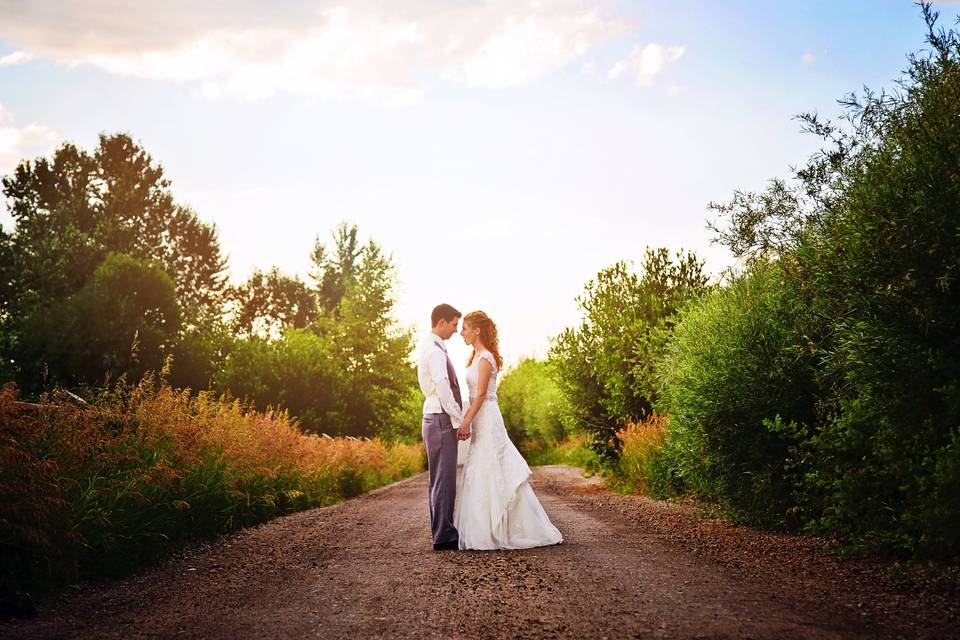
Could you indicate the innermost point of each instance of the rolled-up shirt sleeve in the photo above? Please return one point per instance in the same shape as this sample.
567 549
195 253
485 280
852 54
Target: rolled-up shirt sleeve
437 366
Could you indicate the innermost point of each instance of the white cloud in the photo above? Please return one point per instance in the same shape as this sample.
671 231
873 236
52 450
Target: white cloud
807 58
18 143
524 47
377 50
645 63
17 57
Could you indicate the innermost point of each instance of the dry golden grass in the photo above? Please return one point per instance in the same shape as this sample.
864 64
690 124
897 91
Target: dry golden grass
641 443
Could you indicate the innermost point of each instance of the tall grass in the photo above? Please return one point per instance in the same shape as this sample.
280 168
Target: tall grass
91 491
638 468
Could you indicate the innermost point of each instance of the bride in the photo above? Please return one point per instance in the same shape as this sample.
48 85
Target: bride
495 506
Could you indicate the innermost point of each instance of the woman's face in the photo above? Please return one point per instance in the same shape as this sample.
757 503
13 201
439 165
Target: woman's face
468 333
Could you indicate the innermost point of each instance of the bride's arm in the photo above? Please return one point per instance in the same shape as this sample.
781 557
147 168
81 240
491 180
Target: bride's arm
484 369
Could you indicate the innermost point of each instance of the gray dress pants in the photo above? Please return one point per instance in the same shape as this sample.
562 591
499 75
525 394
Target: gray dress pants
440 439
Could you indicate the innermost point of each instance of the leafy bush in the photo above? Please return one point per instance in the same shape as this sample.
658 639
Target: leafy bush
869 239
738 357
532 404
122 320
605 366
296 371
883 268
575 451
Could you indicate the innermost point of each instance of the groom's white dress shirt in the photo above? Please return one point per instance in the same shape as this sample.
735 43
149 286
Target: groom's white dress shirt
434 381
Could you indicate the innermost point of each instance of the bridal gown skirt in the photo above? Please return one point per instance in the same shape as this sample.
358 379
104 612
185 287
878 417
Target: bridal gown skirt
495 506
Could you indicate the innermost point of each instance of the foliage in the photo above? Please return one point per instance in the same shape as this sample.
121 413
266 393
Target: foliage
347 371
70 212
104 275
738 357
868 241
820 386
373 350
98 331
532 404
74 208
296 371
605 366
574 450
883 270
334 270
268 302
94 491
200 352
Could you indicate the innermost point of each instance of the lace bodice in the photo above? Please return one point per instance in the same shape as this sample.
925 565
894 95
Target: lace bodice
473 373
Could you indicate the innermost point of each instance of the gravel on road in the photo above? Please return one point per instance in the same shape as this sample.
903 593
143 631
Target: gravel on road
629 567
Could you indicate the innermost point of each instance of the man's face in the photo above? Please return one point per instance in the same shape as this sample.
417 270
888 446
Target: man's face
447 328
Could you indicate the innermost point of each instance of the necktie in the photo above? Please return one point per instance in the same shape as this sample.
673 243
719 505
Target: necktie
454 385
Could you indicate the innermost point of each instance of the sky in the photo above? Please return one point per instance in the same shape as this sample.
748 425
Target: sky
503 152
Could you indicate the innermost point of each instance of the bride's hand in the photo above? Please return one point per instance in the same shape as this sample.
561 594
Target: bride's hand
464 431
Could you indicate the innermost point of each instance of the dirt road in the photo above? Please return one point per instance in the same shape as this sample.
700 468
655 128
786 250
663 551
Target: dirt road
628 567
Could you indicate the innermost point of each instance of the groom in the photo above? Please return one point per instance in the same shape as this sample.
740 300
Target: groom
442 415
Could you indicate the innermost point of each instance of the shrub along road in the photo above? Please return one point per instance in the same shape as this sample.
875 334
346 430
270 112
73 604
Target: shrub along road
628 567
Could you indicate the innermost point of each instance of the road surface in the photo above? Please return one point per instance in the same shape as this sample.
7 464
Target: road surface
629 567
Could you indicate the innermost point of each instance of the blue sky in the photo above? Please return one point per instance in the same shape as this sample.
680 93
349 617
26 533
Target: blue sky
503 151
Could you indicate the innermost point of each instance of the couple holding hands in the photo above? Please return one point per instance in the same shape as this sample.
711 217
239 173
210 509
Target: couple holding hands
495 507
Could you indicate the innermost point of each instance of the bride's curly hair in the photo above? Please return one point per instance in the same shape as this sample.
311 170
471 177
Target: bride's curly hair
488 335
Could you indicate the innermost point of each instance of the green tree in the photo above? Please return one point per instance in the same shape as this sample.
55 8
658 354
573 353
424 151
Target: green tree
268 302
605 365
873 250
73 209
334 269
347 371
884 270
372 346
739 358
532 403
200 352
122 321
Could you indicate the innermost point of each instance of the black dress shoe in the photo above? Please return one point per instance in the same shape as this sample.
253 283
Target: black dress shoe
446 546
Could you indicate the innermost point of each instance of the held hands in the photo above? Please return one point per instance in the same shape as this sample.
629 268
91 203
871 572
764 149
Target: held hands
464 431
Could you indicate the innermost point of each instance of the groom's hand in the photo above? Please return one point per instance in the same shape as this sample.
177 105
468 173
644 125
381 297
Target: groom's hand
463 432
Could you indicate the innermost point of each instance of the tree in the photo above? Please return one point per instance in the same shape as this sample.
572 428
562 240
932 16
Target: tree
605 365
71 210
870 243
334 354
268 302
297 371
533 405
201 351
122 321
333 270
369 345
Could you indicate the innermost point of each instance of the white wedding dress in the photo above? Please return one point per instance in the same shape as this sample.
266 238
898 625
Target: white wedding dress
495 506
